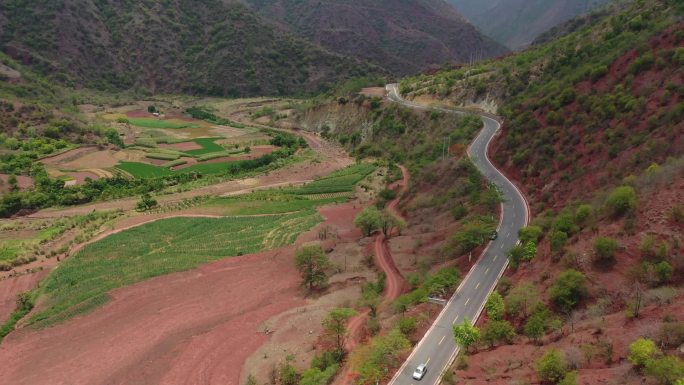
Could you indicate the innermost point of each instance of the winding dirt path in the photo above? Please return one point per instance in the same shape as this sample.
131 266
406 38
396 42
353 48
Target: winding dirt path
395 284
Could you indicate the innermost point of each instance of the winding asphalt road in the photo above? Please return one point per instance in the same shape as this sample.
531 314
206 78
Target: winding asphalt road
437 349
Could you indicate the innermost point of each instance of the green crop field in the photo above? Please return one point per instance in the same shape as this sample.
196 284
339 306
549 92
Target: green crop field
266 203
144 170
82 282
208 146
162 156
156 123
339 181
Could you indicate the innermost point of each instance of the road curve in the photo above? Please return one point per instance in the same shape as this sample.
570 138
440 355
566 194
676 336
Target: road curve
437 348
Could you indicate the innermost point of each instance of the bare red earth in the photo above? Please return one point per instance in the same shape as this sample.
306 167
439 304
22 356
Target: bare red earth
9 288
195 327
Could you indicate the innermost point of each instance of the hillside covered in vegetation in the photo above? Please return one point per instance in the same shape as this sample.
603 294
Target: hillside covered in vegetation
593 134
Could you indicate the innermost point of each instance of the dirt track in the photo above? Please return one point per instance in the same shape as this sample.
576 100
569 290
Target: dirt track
395 284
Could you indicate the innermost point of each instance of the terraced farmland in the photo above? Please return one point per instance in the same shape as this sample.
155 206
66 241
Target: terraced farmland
82 282
339 181
158 123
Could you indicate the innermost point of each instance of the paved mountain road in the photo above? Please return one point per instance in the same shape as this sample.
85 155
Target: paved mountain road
437 348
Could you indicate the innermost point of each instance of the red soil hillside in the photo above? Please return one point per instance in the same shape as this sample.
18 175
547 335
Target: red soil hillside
616 125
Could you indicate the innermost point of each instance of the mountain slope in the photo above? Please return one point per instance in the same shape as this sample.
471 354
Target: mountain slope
516 23
594 136
402 36
209 47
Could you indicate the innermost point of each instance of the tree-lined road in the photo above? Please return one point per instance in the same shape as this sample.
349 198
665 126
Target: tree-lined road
437 349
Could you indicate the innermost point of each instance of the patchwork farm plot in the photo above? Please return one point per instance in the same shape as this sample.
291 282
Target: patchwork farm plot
258 221
162 247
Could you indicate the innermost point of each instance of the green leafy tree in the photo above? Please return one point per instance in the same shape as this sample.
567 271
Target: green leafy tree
621 200
530 251
551 367
516 255
497 331
407 325
535 327
335 325
466 334
641 351
495 306
368 220
371 299
146 202
471 235
530 234
312 263
151 109
568 290
666 370
389 221
605 248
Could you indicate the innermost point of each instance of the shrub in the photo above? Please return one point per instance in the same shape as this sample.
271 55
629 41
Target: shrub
558 240
551 367
407 325
568 290
604 249
523 299
641 351
495 306
621 200
516 255
666 370
535 327
498 331
569 379
663 271
671 335
530 234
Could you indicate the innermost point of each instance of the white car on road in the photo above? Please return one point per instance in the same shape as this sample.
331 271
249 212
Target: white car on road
420 371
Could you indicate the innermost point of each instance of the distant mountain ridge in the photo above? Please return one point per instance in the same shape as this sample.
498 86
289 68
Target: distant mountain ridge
225 48
516 23
402 36
210 47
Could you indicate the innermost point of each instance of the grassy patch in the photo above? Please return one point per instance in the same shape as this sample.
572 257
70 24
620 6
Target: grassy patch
156 123
10 249
162 156
208 146
82 282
